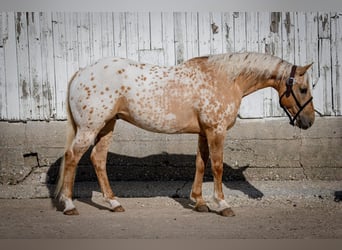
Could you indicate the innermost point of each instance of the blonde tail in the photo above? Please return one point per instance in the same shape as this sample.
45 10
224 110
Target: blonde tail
71 132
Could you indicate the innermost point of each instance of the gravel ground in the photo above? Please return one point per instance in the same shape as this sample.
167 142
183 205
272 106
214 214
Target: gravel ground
294 210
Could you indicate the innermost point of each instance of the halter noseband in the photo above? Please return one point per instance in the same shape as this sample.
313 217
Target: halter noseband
289 91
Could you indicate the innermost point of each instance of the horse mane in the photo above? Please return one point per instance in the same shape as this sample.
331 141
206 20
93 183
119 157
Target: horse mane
248 63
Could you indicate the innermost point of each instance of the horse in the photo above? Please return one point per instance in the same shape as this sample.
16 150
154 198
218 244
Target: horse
200 96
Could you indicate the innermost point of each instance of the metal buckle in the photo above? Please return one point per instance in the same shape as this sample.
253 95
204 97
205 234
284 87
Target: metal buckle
290 81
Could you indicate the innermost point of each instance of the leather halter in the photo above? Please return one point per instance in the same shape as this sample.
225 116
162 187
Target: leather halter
289 91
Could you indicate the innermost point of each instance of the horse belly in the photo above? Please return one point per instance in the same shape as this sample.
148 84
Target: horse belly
155 116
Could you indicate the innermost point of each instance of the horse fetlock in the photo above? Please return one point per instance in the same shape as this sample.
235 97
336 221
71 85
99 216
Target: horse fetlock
115 205
222 204
69 207
195 196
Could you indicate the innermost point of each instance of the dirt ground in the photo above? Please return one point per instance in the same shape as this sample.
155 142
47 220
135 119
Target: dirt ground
315 217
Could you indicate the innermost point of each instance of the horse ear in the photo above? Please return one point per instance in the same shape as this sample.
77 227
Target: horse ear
301 70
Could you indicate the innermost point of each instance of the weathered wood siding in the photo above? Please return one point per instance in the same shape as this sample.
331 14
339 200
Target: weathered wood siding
39 52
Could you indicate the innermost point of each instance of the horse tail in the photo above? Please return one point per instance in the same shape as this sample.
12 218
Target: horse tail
71 133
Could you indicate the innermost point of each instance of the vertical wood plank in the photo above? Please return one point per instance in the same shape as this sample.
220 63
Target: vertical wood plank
216 31
336 52
180 37
168 38
288 36
48 83
35 63
3 99
10 54
71 43
156 30
120 41
228 32
264 32
132 36
300 38
83 37
275 39
3 38
252 106
96 46
107 34
25 84
192 40
61 79
252 31
240 31
240 45
144 37
324 58
312 56
270 98
204 33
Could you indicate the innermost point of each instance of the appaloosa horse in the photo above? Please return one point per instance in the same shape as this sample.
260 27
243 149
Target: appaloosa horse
201 95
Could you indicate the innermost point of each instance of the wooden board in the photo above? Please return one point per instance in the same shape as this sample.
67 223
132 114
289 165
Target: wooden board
40 51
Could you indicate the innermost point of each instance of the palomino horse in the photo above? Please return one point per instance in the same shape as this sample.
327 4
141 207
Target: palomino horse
201 96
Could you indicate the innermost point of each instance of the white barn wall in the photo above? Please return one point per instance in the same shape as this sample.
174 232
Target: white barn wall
39 52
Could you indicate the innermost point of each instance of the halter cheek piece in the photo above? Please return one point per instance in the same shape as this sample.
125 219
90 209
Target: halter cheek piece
289 91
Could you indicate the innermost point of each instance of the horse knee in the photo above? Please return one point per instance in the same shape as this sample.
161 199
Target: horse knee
217 170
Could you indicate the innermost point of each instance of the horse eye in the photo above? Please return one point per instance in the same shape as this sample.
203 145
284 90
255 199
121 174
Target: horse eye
303 91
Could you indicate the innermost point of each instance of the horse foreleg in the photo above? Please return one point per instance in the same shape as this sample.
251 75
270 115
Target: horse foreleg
216 155
99 159
72 156
201 161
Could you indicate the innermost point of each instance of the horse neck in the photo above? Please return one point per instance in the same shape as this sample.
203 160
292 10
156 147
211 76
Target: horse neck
254 71
250 84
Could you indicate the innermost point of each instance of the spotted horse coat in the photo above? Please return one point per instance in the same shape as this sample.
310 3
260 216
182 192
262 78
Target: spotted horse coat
201 96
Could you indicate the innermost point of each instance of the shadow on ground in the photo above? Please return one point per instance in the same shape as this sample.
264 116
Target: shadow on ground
338 196
154 168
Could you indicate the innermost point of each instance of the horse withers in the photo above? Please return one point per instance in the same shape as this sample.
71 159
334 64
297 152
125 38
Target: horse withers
201 96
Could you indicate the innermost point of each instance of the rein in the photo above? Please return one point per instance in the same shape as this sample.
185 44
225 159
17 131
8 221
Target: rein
289 91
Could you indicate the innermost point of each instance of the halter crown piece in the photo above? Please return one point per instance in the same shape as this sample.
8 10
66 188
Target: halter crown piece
289 91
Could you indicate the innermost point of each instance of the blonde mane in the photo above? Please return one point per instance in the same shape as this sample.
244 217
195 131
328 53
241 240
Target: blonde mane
248 63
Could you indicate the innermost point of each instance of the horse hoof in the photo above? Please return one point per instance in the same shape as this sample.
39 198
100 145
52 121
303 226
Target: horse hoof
202 208
227 212
118 209
71 212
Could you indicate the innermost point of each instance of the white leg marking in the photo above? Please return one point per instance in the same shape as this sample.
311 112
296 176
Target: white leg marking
222 204
192 198
69 205
114 203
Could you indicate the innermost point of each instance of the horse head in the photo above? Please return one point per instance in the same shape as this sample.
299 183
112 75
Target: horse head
295 97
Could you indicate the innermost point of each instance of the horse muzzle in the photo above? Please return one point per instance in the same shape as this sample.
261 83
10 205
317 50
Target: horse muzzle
304 122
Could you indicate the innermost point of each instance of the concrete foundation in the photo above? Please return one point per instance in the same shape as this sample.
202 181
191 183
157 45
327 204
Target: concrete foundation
267 149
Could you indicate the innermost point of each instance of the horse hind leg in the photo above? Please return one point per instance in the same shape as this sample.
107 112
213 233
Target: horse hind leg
72 156
99 159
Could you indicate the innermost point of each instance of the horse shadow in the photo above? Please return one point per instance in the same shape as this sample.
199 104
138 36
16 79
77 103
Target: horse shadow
338 196
158 168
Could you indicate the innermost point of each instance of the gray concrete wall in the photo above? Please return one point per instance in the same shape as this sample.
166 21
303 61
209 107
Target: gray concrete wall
267 149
